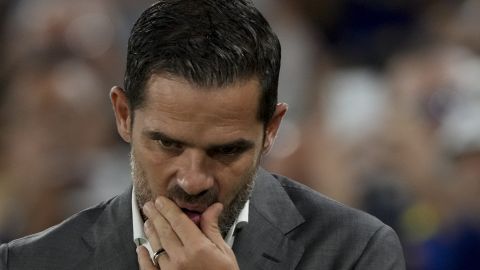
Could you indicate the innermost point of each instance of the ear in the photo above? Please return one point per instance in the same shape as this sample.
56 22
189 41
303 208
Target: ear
122 113
273 125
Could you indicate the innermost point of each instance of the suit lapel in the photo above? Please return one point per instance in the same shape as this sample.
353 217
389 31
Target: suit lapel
263 243
111 237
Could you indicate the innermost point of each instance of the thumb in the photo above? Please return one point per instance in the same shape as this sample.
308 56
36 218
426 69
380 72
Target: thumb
209 223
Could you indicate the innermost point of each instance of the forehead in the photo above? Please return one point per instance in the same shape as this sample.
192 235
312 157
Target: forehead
178 95
172 103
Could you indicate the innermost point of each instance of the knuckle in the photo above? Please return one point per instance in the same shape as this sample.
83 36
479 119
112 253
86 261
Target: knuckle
148 228
177 221
168 212
180 261
164 230
203 249
159 222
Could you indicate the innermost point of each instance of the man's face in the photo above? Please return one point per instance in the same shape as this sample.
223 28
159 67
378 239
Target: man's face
197 146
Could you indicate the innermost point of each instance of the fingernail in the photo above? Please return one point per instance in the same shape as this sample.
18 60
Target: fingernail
137 249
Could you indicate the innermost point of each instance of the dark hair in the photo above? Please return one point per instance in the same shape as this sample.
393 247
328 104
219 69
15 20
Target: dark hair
210 43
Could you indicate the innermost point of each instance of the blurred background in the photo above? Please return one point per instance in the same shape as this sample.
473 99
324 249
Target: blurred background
384 113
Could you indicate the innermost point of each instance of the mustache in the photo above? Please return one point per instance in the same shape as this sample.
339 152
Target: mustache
206 198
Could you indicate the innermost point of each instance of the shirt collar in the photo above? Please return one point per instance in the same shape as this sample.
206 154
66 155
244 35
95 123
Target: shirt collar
241 221
140 238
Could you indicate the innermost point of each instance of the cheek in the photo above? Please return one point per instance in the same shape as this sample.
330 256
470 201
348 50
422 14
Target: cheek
155 170
234 178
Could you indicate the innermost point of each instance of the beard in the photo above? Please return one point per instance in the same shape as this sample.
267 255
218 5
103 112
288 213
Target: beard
230 213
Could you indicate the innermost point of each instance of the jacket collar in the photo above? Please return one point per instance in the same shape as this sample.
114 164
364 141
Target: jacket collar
263 243
113 231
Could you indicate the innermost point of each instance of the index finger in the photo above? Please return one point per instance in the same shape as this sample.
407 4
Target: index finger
185 228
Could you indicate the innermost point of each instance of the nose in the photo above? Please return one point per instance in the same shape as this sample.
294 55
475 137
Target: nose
194 175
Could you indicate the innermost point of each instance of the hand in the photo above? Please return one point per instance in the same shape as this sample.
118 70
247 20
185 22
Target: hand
186 245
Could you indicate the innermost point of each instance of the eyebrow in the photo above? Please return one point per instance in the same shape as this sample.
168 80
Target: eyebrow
157 135
240 143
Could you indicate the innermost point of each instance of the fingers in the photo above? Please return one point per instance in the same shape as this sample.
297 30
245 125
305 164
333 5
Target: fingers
186 245
184 228
159 232
152 236
161 258
209 224
144 260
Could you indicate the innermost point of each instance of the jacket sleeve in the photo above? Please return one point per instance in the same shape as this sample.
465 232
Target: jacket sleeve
383 252
3 256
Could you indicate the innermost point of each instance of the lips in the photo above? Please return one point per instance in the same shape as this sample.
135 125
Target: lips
193 215
193 211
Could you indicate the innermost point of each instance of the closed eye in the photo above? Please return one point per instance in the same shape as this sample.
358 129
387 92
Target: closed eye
165 142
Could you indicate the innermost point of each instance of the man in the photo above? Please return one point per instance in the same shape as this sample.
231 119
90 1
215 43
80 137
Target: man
200 110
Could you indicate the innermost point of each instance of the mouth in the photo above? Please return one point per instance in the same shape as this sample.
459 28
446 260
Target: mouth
194 216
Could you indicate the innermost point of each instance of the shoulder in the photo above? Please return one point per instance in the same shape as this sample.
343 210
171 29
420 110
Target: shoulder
52 243
312 205
349 235
74 225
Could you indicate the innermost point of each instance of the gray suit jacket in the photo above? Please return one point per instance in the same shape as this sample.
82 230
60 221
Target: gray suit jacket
290 227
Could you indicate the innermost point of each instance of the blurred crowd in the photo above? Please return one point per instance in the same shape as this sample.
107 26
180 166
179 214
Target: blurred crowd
384 113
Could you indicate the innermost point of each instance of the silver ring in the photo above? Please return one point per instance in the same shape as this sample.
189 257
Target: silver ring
157 254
